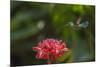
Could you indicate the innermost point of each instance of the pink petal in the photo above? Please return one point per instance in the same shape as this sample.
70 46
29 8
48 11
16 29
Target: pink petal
36 48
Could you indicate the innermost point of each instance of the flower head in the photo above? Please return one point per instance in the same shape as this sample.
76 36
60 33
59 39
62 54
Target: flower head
50 49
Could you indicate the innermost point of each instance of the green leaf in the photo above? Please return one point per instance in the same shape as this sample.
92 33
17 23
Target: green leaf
67 57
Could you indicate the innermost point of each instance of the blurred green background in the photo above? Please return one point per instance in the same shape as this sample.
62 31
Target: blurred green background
32 22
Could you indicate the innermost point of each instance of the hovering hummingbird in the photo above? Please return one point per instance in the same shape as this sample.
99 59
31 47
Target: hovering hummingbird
78 25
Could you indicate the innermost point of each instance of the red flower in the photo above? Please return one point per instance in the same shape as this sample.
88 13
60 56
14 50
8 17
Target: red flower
50 49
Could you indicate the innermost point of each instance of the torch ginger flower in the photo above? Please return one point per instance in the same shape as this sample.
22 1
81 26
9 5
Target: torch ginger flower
50 49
